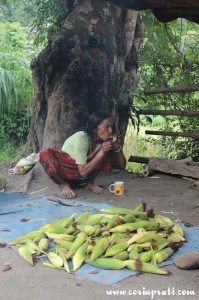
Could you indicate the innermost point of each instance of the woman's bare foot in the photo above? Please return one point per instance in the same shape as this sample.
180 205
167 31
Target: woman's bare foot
67 191
94 188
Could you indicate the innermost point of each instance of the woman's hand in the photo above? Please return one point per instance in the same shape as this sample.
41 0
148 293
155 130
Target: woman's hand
106 147
116 145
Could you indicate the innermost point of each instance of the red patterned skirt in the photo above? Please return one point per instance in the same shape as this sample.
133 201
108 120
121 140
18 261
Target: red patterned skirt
59 162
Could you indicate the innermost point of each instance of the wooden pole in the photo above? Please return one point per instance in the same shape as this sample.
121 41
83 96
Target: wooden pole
189 113
174 89
170 133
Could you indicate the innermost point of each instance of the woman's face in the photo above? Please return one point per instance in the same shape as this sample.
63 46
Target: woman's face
105 129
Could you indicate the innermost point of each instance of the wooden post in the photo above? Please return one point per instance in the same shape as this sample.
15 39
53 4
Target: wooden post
190 113
170 133
174 89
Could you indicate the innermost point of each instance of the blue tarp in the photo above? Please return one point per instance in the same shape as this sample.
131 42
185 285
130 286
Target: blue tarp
39 211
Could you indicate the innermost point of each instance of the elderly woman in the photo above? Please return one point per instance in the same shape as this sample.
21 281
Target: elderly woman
84 154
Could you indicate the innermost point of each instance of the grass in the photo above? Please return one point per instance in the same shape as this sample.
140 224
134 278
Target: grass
138 144
12 154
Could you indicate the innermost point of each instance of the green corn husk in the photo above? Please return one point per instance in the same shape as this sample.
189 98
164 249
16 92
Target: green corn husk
163 254
107 263
100 248
61 252
80 239
70 230
129 226
134 255
52 266
144 267
94 219
63 222
123 211
88 229
82 218
124 255
145 256
55 259
40 236
129 219
79 256
51 229
32 235
26 255
43 244
61 236
64 244
115 249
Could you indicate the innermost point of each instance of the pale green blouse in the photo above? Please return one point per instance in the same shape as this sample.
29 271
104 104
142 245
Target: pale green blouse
77 146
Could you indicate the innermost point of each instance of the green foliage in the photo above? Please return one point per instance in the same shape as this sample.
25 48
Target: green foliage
50 16
10 153
169 57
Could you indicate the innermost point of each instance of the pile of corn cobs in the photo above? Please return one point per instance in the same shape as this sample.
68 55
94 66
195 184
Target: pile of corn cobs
113 239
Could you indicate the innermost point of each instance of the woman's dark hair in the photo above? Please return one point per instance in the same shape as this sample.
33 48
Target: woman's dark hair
95 120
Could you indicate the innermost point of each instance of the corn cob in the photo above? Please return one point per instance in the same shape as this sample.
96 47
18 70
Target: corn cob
82 218
90 248
142 237
124 255
107 263
176 237
134 254
141 230
129 226
163 219
105 234
100 248
26 255
88 229
39 237
80 239
64 244
71 229
115 249
52 229
55 259
31 235
163 254
79 256
52 266
61 236
177 228
145 256
134 246
94 219
34 246
62 253
123 211
153 258
129 219
97 230
43 244
62 222
148 268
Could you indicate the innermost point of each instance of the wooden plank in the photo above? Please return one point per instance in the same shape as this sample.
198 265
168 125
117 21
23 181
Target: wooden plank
173 167
174 89
170 133
187 113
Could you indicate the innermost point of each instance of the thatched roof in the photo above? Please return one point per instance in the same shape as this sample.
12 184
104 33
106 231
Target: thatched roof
164 10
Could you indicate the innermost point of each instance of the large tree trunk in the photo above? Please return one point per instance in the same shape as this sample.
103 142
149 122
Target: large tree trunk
90 65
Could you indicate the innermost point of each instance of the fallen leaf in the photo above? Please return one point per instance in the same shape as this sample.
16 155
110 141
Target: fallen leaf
95 272
5 230
2 245
7 268
24 220
188 224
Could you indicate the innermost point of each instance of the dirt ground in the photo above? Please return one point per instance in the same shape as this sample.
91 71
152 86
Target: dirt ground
168 195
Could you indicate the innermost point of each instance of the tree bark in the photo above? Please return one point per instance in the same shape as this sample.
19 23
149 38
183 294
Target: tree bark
90 65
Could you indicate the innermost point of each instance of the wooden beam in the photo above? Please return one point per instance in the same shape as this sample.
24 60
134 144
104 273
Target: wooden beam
174 89
188 113
172 167
170 133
